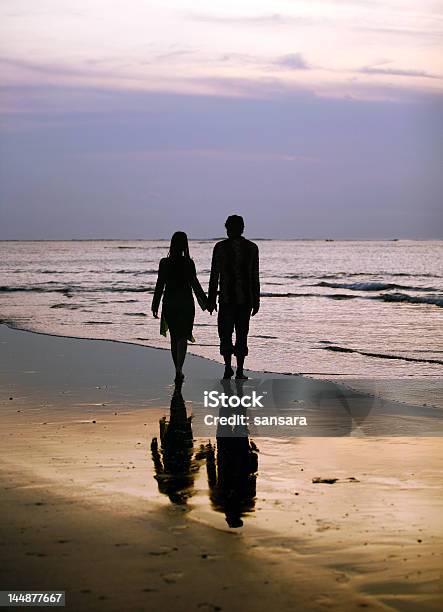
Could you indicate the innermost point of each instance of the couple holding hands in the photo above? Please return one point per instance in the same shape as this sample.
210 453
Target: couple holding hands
234 278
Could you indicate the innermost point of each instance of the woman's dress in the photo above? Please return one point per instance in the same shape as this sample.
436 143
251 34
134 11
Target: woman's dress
176 281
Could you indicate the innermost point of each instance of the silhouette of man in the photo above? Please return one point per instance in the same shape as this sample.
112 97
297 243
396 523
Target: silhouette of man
235 276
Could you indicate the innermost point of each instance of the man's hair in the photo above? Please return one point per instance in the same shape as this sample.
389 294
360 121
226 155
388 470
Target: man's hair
235 225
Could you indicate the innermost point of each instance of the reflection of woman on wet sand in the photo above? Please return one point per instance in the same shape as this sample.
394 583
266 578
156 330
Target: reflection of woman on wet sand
175 464
177 280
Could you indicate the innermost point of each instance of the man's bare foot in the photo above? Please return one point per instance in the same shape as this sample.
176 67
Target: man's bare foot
240 375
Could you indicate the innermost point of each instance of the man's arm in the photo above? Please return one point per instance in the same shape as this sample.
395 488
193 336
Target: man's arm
255 282
213 279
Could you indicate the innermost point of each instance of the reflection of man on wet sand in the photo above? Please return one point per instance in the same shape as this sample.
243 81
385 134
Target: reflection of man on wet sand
232 474
232 477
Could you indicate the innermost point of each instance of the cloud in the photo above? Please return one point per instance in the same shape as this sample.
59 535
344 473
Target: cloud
273 19
397 72
285 20
424 33
172 55
289 150
263 85
352 89
204 153
293 61
51 68
368 3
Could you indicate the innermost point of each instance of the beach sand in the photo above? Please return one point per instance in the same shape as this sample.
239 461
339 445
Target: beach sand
81 509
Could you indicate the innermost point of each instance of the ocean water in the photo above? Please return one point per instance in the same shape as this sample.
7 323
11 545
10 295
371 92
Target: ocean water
329 309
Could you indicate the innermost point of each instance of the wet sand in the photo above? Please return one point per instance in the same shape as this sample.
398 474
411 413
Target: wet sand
82 511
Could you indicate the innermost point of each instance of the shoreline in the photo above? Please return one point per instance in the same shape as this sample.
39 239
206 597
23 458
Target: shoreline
13 326
339 380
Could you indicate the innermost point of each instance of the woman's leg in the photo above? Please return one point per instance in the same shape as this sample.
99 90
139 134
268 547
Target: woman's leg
174 350
182 347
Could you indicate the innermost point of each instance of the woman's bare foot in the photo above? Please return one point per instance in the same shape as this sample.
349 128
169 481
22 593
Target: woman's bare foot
228 372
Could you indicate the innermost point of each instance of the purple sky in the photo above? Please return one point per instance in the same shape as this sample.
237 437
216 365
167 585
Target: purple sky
328 138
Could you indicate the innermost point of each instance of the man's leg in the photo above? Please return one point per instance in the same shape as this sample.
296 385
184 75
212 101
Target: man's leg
243 314
226 324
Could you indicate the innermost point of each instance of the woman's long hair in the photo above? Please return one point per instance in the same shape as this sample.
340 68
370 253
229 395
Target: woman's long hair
179 246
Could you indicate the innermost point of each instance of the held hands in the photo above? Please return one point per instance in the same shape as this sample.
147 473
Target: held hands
211 307
155 314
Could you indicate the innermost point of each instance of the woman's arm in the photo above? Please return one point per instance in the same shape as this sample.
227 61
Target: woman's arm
197 288
159 287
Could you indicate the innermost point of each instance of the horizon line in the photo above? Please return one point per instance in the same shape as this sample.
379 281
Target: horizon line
211 239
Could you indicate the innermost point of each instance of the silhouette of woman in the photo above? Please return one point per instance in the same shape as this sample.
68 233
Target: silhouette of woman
177 279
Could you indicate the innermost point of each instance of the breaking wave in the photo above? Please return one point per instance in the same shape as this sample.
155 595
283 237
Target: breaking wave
342 349
69 289
372 286
435 300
